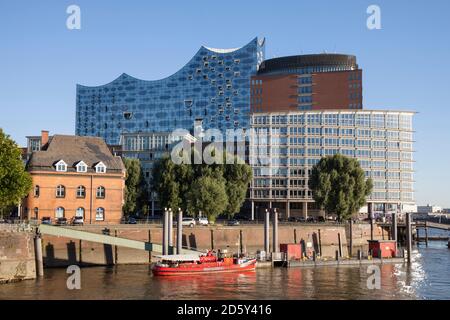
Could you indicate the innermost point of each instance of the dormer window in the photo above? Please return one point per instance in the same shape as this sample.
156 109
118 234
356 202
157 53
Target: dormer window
61 166
81 167
100 167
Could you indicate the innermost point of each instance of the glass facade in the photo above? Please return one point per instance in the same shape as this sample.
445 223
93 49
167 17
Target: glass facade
214 86
285 146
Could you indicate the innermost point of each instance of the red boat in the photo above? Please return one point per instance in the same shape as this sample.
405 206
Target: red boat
181 264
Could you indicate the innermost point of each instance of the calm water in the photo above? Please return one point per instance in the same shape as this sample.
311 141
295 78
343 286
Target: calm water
428 277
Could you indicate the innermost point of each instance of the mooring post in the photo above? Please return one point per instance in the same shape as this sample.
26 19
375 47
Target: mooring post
275 231
38 254
295 235
149 241
115 249
426 234
340 245
266 232
350 247
165 240
241 245
180 231
408 235
170 231
394 226
320 243
371 228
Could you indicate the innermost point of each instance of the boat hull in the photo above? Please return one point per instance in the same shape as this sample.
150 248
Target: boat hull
204 268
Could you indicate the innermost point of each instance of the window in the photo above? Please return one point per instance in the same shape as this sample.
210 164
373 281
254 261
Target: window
61 166
79 212
81 167
36 191
81 192
59 213
100 214
128 115
100 167
100 192
36 212
60 191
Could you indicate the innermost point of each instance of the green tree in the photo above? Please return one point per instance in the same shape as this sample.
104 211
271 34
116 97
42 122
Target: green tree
166 184
15 182
339 185
238 177
207 195
135 188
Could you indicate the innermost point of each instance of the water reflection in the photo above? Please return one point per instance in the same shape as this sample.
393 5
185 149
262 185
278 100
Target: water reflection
426 278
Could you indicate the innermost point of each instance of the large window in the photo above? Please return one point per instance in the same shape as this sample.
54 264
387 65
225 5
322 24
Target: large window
36 213
80 212
59 213
100 214
101 192
36 191
81 192
60 191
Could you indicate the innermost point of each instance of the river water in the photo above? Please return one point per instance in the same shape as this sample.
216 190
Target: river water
428 277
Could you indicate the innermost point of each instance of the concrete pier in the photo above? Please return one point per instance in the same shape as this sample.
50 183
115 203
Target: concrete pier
275 244
179 231
408 236
38 255
170 229
266 231
165 237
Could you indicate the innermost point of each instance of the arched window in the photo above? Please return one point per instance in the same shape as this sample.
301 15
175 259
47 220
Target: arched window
59 213
36 191
36 213
80 212
81 192
60 191
101 192
100 214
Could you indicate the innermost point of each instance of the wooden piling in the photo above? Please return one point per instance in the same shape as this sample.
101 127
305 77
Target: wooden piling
38 255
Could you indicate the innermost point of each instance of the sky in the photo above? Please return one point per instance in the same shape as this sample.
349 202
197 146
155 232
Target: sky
405 63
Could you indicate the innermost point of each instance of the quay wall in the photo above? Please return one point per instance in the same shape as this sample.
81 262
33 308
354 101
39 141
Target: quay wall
59 251
16 254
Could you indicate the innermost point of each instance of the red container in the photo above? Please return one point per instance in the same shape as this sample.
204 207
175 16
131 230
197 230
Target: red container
383 248
292 250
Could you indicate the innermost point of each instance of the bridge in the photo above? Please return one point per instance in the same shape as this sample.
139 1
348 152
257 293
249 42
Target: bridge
435 225
106 239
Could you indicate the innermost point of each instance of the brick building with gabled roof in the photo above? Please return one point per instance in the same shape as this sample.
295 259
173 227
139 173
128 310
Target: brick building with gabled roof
74 176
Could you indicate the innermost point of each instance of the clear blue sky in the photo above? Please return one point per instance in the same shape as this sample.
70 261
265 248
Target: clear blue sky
405 65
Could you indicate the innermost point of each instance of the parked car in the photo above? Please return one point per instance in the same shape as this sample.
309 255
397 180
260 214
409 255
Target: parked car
300 219
203 221
292 219
77 221
320 219
2 220
46 220
61 221
131 220
311 219
233 222
188 221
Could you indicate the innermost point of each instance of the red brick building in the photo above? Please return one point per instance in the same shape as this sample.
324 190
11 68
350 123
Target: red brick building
307 82
74 176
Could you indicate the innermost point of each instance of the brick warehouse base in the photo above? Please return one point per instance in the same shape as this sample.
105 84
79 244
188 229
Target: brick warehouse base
59 252
16 254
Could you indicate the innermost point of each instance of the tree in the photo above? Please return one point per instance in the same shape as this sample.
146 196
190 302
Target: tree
166 184
339 186
207 195
178 185
238 177
135 187
15 182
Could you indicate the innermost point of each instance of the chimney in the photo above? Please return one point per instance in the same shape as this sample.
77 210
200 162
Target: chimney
44 138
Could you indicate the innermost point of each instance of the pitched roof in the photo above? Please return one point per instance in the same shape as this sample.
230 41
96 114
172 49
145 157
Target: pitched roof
73 149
